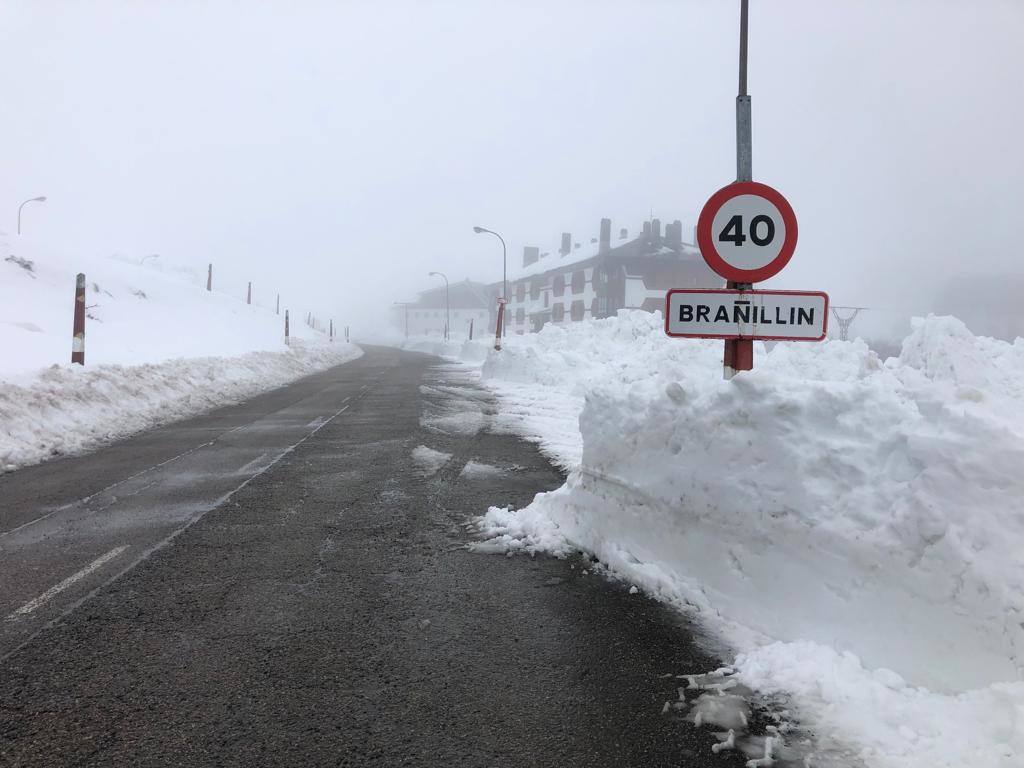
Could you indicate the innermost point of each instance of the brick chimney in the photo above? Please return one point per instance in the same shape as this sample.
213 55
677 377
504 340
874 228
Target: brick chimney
647 232
656 231
566 243
530 255
606 236
623 233
675 237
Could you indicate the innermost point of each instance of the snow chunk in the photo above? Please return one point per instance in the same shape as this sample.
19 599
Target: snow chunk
428 460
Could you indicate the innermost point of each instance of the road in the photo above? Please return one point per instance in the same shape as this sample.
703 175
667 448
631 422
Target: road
278 583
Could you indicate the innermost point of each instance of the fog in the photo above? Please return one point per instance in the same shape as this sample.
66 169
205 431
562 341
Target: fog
337 152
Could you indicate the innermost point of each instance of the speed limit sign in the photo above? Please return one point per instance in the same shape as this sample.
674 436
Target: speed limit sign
747 232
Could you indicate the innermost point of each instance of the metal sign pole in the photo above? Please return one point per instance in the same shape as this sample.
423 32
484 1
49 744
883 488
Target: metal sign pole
739 353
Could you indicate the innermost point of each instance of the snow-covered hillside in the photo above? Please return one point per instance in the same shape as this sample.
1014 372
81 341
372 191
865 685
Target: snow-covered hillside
853 527
158 347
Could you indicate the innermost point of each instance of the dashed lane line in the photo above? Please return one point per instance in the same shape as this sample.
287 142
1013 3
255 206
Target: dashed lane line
56 589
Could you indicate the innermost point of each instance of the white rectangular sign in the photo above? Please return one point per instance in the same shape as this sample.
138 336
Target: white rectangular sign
733 314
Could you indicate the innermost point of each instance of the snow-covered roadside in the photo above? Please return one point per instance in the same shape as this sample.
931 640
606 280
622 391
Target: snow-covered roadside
66 410
853 528
158 348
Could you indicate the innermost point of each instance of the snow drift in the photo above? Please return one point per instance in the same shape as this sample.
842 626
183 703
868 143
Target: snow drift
827 500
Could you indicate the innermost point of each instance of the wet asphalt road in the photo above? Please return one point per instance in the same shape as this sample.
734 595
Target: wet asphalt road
285 588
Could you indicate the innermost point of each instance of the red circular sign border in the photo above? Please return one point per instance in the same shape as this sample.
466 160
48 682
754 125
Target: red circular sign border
705 239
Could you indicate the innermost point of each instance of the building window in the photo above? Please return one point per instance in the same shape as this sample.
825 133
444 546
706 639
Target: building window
521 291
547 299
577 310
535 289
579 281
558 286
520 315
558 312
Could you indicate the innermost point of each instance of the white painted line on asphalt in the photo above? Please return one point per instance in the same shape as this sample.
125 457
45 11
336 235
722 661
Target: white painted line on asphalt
257 462
55 590
317 421
140 473
167 540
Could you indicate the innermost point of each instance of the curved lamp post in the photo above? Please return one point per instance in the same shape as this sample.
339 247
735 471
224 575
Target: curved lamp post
447 303
40 199
504 259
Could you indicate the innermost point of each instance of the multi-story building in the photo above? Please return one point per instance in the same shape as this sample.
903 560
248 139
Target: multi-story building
579 281
598 279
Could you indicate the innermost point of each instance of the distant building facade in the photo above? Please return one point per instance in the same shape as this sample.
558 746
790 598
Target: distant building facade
577 282
599 279
469 302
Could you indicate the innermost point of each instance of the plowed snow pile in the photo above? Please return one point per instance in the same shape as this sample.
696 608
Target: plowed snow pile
854 527
158 347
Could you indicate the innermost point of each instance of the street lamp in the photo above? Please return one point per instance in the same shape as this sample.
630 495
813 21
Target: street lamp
40 199
504 259
447 303
406 305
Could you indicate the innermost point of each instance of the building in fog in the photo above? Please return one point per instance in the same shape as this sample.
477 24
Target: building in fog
469 302
598 279
576 282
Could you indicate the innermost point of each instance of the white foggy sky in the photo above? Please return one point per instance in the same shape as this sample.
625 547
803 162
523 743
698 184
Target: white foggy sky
341 150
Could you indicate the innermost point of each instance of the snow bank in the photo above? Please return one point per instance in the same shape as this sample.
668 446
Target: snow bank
871 511
69 409
158 348
463 350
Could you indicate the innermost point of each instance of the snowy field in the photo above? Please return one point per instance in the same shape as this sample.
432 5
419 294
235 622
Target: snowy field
158 348
852 527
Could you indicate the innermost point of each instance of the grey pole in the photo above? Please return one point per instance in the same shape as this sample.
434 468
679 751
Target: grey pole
744 142
739 352
40 199
447 303
405 304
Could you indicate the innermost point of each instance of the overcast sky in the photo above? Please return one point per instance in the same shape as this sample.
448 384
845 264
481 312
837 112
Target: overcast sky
341 150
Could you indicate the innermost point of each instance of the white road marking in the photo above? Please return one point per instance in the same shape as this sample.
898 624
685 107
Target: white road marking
255 463
55 590
31 606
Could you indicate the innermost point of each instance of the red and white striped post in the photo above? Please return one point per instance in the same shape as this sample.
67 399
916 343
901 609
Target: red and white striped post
248 294
331 333
739 353
471 329
209 277
286 326
78 339
497 326
346 334
277 309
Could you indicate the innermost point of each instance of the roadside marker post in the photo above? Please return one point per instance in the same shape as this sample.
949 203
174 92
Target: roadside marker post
747 233
78 332
286 327
497 326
